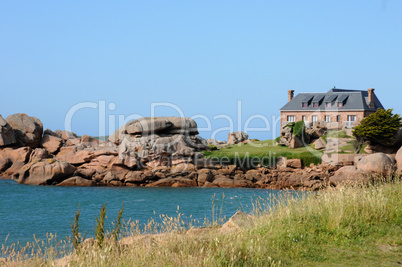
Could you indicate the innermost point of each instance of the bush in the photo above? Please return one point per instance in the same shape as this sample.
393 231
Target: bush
379 128
213 147
278 139
298 129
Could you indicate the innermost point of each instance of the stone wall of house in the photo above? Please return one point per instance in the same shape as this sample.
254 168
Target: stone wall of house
321 115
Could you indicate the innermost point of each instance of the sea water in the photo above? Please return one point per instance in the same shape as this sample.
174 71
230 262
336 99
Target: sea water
27 210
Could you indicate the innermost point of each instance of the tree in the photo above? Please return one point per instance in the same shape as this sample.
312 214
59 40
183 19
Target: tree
378 128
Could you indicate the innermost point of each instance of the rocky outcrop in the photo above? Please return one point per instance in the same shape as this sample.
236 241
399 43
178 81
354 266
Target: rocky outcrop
44 172
166 152
158 142
287 138
28 129
7 135
236 137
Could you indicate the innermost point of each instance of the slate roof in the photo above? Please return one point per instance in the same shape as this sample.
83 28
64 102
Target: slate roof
353 100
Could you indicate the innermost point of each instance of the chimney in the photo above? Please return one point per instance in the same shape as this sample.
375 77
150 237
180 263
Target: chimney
290 95
371 97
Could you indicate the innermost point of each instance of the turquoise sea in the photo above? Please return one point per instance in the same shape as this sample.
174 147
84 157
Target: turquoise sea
27 210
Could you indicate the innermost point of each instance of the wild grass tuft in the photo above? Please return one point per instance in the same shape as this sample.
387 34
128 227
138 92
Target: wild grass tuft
100 226
76 238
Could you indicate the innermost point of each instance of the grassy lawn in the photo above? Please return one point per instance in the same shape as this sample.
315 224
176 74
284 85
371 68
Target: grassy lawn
268 149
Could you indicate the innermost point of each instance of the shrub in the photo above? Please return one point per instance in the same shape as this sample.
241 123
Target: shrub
213 147
298 129
379 128
278 139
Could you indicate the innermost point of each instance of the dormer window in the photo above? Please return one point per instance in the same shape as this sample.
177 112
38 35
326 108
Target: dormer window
306 101
317 101
342 100
330 100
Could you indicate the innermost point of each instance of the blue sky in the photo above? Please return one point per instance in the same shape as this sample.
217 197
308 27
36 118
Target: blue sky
201 56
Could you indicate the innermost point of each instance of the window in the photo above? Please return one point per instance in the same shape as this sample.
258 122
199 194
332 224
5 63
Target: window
303 118
315 105
327 118
338 118
304 105
328 104
291 118
351 117
340 104
314 119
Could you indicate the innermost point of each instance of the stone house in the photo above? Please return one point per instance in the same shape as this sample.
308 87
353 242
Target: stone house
336 109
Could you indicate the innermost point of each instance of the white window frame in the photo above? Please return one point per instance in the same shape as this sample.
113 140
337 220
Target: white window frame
327 118
351 117
291 118
314 119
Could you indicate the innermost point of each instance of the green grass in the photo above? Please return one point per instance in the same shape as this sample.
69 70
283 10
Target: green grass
262 152
347 226
336 134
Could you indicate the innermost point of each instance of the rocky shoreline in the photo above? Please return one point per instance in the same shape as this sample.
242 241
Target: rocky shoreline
151 152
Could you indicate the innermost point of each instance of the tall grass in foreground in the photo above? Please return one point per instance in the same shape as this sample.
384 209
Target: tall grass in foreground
359 225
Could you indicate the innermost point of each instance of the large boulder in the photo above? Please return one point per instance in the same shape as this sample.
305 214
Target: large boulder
51 143
7 135
295 142
76 181
44 172
157 141
378 163
347 175
150 126
236 137
398 158
285 136
320 143
214 142
20 154
28 129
